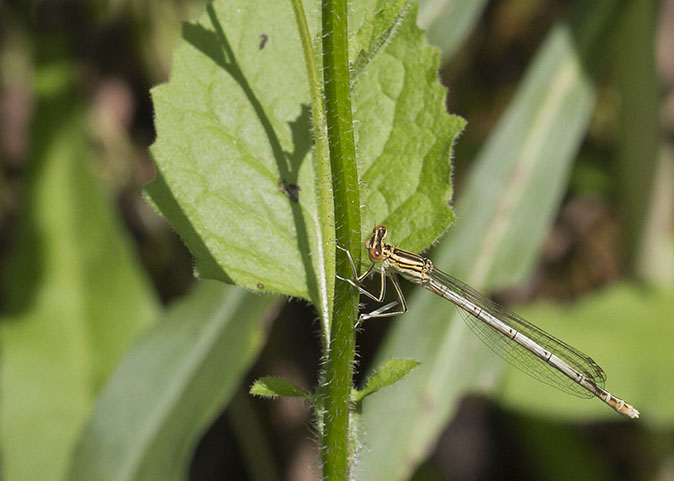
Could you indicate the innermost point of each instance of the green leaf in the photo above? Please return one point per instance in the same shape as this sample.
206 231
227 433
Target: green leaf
232 144
627 329
405 139
229 133
389 373
507 205
275 386
171 386
75 296
375 32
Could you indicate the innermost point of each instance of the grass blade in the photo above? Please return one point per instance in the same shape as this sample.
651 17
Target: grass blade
171 386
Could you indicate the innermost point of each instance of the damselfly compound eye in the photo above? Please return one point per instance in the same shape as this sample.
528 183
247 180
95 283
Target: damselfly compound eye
375 254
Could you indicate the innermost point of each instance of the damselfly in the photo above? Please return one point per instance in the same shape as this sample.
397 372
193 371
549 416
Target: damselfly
519 342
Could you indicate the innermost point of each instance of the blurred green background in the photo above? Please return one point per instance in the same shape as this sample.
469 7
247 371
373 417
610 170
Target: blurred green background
114 364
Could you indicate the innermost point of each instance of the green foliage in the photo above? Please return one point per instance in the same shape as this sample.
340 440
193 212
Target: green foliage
231 139
228 133
171 386
404 140
76 296
375 32
275 386
389 373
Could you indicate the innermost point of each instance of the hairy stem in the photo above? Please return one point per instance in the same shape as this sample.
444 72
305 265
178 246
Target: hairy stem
338 376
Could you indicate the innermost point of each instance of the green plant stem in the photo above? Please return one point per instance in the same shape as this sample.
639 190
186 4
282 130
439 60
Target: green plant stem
336 448
323 176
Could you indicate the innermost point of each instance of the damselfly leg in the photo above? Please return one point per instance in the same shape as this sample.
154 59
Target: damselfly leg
384 311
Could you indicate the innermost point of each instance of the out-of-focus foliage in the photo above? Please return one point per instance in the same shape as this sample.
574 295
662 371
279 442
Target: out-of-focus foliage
75 296
171 385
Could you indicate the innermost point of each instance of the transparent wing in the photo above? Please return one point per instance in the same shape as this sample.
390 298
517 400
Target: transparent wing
517 355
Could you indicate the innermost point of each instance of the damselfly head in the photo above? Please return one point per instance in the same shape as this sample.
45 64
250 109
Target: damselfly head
375 244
